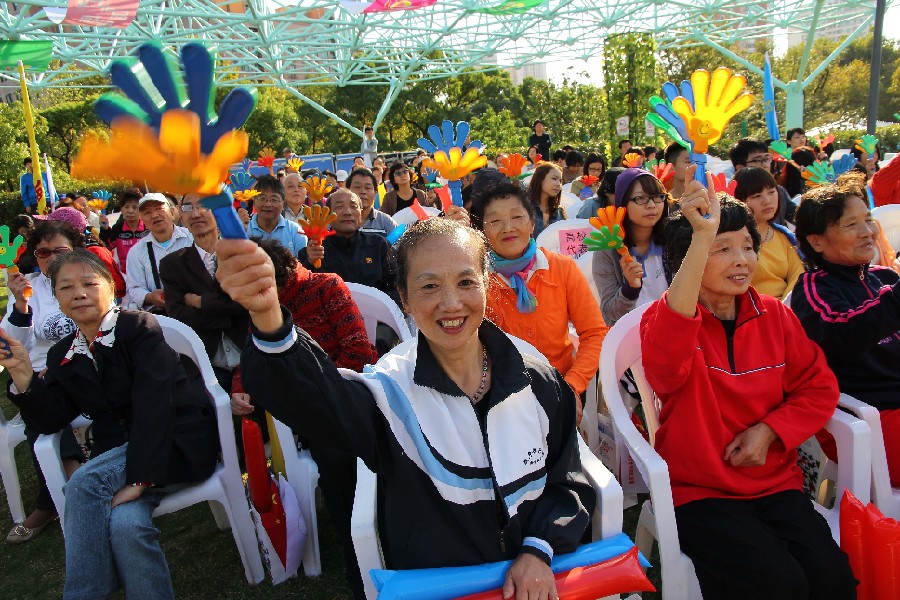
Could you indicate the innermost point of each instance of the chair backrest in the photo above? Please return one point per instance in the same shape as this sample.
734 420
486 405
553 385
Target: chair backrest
889 218
183 340
407 216
377 307
787 299
585 263
570 203
549 237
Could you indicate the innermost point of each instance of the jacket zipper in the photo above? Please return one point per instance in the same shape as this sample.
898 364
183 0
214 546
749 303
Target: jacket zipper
729 338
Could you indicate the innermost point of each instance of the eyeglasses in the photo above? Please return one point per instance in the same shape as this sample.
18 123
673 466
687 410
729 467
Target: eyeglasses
760 160
47 252
189 208
268 199
516 221
644 200
595 169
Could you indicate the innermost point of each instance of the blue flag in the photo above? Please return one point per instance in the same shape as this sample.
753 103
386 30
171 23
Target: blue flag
769 101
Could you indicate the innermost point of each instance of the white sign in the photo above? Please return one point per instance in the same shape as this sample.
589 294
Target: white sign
649 129
622 125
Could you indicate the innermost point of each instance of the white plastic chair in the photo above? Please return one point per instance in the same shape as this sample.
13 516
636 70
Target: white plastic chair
885 497
622 351
549 237
224 490
889 217
571 203
606 521
586 265
12 433
377 307
302 474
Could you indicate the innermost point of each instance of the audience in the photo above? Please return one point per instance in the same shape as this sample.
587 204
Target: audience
545 194
127 230
364 184
268 223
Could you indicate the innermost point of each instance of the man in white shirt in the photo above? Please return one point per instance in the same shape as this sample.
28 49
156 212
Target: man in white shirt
142 281
369 147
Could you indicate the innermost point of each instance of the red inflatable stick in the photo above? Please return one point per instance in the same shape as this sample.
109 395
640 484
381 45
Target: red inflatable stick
263 491
444 194
872 543
614 576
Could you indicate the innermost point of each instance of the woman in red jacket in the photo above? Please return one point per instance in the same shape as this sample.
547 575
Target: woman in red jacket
741 387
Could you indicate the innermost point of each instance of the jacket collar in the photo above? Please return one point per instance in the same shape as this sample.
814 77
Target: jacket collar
853 272
106 336
344 242
508 373
540 263
749 306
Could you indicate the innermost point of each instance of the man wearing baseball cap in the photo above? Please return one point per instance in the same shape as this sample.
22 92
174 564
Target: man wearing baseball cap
144 286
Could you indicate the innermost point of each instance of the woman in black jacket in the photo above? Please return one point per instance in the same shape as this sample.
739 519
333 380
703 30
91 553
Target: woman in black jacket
153 426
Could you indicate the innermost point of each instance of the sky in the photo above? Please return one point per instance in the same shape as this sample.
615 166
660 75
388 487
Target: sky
575 68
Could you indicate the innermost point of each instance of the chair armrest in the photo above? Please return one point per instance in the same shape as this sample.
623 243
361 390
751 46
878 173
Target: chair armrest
607 518
46 449
364 527
853 438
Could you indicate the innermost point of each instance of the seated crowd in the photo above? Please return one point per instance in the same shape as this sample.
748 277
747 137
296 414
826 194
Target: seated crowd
742 378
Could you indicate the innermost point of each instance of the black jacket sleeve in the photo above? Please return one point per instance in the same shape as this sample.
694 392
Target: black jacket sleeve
302 388
45 406
216 311
562 513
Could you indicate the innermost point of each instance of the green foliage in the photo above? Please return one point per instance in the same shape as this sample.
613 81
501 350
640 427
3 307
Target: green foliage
631 76
15 143
499 130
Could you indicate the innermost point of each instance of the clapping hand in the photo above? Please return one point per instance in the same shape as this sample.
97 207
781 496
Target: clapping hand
699 205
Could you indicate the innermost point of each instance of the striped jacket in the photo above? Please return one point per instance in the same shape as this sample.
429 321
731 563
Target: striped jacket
456 486
853 313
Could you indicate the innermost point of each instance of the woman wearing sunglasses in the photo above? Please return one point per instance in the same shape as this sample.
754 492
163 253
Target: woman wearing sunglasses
35 320
624 284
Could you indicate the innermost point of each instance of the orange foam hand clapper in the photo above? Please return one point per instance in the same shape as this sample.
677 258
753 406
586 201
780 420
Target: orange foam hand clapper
717 98
172 161
316 188
633 160
266 158
294 165
512 166
315 222
608 234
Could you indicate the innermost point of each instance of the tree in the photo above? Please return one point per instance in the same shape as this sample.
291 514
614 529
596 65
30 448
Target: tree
67 122
631 76
499 131
15 142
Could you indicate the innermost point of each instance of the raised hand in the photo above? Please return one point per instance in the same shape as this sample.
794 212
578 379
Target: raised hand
868 144
151 87
246 274
717 98
699 205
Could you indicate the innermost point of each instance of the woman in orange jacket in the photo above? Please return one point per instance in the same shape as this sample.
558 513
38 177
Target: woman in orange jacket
535 293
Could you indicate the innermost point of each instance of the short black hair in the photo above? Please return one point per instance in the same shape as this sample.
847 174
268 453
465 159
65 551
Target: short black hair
83 257
679 232
397 166
574 159
594 158
559 155
740 151
267 183
794 131
502 189
283 260
648 150
623 142
27 161
368 128
649 185
823 206
130 193
361 172
752 180
20 221
673 151
536 121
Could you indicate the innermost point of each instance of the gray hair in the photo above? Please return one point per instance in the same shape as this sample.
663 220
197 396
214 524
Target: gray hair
80 256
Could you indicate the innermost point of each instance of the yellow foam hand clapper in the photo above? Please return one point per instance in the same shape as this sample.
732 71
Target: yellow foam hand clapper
455 165
717 98
172 161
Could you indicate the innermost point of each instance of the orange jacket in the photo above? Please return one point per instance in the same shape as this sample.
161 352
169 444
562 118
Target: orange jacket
563 295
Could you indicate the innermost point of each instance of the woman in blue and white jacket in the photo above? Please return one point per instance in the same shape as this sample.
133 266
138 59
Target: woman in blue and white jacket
473 441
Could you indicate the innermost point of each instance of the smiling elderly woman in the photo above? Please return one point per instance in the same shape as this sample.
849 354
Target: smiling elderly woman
741 387
153 426
474 442
849 308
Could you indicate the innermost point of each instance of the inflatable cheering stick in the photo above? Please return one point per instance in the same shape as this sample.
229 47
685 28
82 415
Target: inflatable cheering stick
608 234
721 184
663 171
315 222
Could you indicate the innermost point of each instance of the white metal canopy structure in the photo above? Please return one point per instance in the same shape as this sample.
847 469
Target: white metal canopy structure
314 42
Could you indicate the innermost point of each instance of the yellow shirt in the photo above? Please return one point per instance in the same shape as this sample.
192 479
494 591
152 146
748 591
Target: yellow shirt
778 268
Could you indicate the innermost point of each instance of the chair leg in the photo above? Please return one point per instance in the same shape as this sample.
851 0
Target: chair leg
220 515
238 513
646 533
10 476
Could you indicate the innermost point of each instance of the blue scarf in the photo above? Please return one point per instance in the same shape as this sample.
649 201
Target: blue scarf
516 270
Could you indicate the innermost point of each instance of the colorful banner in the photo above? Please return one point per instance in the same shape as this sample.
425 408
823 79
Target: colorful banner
35 55
95 13
769 101
32 145
511 7
389 5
